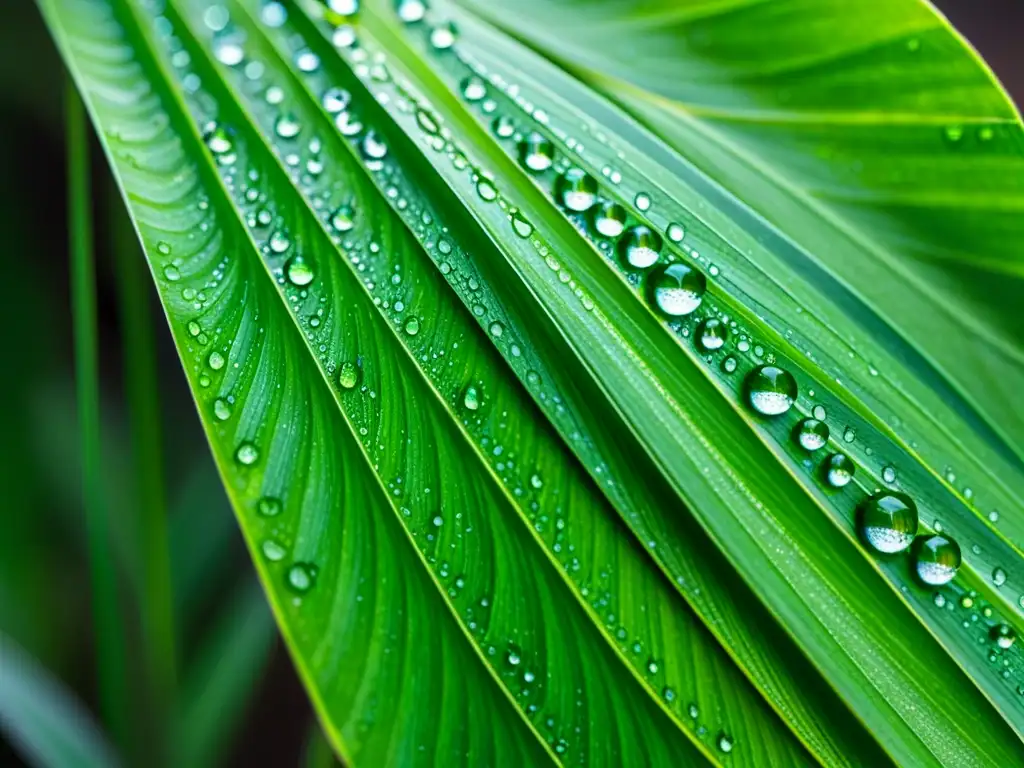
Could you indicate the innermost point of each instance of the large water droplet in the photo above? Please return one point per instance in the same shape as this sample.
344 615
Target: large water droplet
222 409
443 36
348 375
503 126
609 218
1003 635
287 126
640 246
712 334
576 189
771 390
536 152
676 289
725 742
298 271
474 88
812 434
411 11
216 360
336 100
343 219
373 147
247 454
412 326
936 559
219 141
471 398
888 521
268 506
344 7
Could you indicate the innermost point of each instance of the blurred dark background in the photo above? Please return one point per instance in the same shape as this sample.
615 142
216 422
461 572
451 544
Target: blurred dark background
43 572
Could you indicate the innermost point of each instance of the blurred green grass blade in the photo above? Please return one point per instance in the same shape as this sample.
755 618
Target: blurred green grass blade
155 601
230 662
44 720
108 626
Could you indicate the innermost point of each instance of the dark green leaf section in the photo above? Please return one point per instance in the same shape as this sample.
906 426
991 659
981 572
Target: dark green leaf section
987 585
371 636
817 585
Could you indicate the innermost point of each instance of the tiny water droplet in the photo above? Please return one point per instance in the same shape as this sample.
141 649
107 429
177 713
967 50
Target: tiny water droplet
336 100
536 152
343 219
247 454
642 201
675 232
771 390
888 521
471 398
640 246
412 326
522 227
998 576
729 364
307 61
839 470
269 506
725 742
411 11
609 218
712 334
273 551
172 273
229 53
812 434
953 133
936 559
344 7
373 147
474 88
503 126
216 360
676 289
1003 635
348 375
219 141
279 242
849 435
576 189
287 126
889 474
443 36
536 481
298 271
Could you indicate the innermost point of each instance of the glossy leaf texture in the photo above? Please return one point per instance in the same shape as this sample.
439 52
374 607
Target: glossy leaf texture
473 314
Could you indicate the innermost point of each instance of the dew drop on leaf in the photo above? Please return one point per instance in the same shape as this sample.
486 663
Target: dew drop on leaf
675 232
411 11
712 334
298 271
336 100
287 126
301 577
471 398
273 551
344 7
216 360
936 559
888 521
576 189
998 576
771 390
503 126
247 454
676 289
172 273
443 36
279 242
839 470
412 326
218 140
222 409
269 506
725 742
348 375
812 434
609 218
229 53
473 88
1003 635
640 246
536 152
343 219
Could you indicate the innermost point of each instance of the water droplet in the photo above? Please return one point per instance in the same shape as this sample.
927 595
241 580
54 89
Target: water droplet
344 7
771 390
675 232
172 273
609 218
839 470
640 246
936 559
1003 635
497 329
473 88
889 474
298 271
344 36
676 289
503 126
412 326
301 577
273 551
287 126
348 375
536 481
693 712
522 227
443 36
725 742
849 435
307 61
953 133
729 364
642 201
471 398
222 409
336 100
268 506
576 189
812 434
712 334
998 576
536 152
215 360
343 219
279 242
411 11
373 147
229 53
219 141
888 521
247 454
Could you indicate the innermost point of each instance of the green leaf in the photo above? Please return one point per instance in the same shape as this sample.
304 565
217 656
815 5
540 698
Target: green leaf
503 508
43 719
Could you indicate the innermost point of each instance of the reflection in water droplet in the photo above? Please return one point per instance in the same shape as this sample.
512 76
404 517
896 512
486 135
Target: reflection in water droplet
771 390
609 218
888 521
676 289
812 434
712 334
536 152
348 375
839 470
247 454
936 559
576 189
640 246
298 271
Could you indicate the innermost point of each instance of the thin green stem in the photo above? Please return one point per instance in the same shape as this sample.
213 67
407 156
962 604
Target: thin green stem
108 626
156 602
